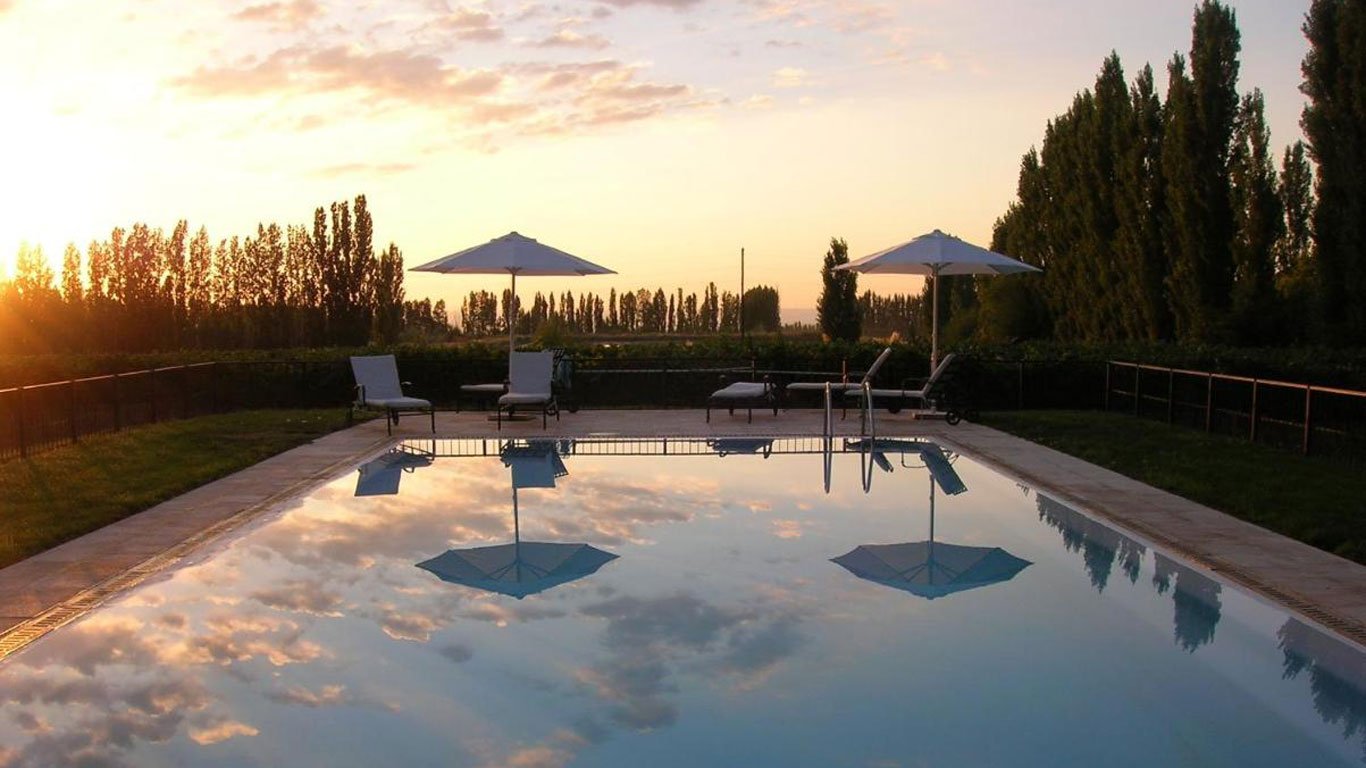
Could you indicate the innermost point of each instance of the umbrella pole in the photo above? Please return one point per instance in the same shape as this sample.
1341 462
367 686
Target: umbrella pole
516 536
934 320
930 559
512 317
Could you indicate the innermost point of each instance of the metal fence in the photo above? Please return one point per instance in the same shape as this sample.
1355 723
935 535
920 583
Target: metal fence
40 417
1302 417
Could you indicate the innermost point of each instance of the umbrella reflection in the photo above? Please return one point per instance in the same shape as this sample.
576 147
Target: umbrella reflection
930 569
521 568
381 476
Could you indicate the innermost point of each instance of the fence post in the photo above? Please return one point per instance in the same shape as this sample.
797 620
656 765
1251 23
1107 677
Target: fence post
213 387
152 390
1107 386
19 415
118 405
1308 416
1138 376
1171 395
1252 428
71 409
1019 385
1209 401
184 391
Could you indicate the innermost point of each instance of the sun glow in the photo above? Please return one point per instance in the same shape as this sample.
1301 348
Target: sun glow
58 183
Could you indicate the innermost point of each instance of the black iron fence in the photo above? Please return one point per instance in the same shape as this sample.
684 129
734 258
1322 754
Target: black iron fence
39 417
1301 417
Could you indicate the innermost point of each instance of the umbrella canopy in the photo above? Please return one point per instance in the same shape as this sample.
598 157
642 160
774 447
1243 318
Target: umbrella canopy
516 255
937 254
931 569
523 567
518 569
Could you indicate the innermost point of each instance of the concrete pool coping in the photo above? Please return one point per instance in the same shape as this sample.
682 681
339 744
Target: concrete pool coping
55 587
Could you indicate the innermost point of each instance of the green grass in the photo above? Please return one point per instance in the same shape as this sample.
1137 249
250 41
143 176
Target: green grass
1318 501
60 494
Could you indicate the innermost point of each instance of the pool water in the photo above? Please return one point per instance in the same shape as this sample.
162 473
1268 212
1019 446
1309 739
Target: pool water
695 618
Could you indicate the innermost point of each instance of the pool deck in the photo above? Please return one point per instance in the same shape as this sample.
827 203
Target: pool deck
57 586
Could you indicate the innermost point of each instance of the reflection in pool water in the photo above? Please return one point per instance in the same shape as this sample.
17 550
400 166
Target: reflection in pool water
721 636
521 568
929 569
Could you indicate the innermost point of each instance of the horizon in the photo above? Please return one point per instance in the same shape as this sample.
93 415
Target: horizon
655 137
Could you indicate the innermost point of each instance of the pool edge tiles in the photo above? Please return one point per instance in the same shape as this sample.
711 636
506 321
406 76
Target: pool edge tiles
1329 591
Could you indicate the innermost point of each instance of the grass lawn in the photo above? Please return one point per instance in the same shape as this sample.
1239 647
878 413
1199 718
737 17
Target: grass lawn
1318 501
58 495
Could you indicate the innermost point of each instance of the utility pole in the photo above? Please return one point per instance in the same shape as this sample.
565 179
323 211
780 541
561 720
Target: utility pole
742 293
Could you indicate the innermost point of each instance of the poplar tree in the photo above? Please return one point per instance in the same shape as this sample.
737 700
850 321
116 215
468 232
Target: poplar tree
1334 123
1202 108
837 310
1258 225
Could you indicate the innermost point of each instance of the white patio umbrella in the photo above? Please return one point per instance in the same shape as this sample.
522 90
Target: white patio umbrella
516 255
937 254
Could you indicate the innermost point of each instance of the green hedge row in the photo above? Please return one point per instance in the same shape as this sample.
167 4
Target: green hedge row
1327 367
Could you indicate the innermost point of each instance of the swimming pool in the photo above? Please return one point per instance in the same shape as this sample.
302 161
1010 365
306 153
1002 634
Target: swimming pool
696 618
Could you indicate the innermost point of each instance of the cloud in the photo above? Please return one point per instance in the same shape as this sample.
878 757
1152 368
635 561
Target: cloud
676 5
328 695
758 101
456 653
364 169
936 61
471 25
223 731
304 596
569 38
789 77
386 74
648 637
285 14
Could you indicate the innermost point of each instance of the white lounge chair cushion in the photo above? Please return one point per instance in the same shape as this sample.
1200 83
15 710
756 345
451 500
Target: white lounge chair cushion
398 403
899 393
518 398
818 386
483 388
741 390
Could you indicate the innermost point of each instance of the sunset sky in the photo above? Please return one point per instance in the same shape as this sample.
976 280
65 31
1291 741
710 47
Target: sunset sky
655 137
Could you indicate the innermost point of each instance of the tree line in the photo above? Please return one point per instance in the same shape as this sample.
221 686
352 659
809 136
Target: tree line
1169 219
143 289
484 313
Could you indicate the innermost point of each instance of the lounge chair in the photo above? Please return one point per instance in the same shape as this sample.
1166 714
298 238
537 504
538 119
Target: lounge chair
926 394
378 387
726 446
744 394
843 387
529 385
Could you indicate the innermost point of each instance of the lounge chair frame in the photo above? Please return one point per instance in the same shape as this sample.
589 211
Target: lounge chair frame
530 384
378 388
762 395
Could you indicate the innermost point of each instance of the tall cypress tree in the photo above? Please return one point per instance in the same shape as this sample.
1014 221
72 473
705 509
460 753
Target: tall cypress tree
837 309
1334 123
1139 195
1259 222
1201 111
